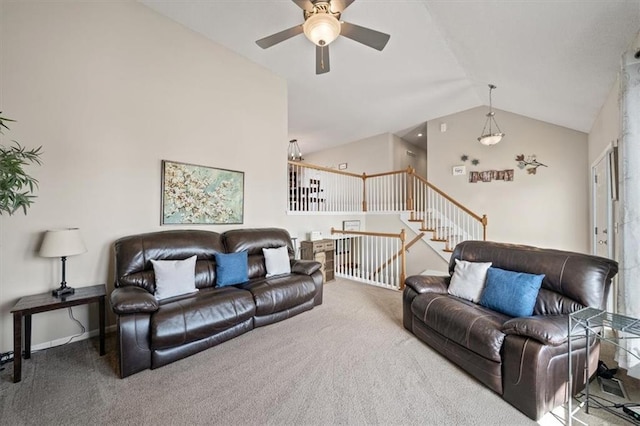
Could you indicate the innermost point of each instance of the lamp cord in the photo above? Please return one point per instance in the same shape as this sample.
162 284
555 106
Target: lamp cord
6 357
82 331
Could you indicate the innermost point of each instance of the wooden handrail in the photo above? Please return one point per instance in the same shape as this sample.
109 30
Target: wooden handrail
371 234
397 172
456 203
324 169
410 172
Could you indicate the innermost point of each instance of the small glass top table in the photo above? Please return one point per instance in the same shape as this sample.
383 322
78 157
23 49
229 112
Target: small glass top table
45 302
588 322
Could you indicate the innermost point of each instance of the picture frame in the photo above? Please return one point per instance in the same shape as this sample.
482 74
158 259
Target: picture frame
458 170
350 225
200 195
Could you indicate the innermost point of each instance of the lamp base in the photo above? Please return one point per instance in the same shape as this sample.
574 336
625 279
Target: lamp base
63 291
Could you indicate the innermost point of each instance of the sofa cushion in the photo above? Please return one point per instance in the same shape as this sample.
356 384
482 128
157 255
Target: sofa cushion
468 280
578 277
281 292
231 268
199 316
277 261
512 293
133 255
469 325
174 277
253 240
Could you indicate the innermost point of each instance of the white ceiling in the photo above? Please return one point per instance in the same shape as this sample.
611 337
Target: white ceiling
552 60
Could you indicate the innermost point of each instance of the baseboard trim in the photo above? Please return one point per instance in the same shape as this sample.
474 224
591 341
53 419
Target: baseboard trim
76 338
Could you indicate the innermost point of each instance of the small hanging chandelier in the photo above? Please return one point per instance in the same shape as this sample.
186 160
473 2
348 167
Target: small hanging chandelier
490 137
294 153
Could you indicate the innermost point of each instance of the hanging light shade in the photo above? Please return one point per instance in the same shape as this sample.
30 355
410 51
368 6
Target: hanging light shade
321 28
489 136
294 151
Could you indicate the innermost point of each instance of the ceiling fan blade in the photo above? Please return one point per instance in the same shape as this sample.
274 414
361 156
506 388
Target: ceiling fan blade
340 5
366 36
322 59
304 4
278 37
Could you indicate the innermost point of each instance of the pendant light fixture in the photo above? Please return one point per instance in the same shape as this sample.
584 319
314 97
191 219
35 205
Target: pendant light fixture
294 153
490 137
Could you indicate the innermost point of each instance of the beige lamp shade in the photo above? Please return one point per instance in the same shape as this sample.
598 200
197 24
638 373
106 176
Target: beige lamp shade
62 243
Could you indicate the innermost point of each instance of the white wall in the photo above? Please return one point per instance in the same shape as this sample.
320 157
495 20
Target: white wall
369 155
402 159
376 154
606 128
109 89
548 209
604 134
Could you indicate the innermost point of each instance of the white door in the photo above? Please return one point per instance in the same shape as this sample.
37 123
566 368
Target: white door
602 207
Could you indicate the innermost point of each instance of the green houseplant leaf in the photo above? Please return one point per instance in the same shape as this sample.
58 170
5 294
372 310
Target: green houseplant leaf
16 186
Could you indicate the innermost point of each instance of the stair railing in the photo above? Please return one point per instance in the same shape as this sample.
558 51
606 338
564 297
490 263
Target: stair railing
371 257
387 192
450 221
321 189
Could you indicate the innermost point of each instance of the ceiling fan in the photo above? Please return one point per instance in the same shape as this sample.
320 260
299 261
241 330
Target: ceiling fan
322 25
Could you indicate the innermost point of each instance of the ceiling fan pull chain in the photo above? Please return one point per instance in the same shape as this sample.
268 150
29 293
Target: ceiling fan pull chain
322 58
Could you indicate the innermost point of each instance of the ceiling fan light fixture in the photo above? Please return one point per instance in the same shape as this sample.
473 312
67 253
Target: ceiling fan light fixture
321 29
490 137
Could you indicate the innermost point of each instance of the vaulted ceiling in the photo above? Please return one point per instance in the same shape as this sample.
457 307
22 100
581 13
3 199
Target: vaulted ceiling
552 60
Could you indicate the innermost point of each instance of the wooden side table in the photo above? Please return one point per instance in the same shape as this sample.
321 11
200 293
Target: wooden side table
323 252
44 302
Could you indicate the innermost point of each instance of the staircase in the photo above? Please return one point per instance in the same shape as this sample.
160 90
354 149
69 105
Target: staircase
423 207
442 238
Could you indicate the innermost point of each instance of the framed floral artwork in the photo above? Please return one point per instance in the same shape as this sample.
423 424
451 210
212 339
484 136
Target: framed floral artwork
193 194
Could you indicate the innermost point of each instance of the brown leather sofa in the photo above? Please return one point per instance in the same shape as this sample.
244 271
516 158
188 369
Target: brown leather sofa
154 333
525 360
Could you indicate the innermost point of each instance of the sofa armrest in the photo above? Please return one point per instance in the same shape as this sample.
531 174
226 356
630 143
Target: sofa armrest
305 267
428 283
131 300
547 329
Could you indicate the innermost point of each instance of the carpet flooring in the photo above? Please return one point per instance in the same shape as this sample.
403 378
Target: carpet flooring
348 361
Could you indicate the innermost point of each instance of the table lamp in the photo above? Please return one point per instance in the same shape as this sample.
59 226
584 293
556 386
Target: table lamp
62 243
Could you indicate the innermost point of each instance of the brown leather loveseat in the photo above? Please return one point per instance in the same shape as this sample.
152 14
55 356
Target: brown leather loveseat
523 359
153 333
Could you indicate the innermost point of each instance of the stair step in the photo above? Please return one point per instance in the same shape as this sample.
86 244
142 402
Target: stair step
439 240
452 241
447 251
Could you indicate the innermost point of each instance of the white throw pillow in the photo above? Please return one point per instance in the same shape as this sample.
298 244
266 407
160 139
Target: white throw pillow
277 261
468 280
174 277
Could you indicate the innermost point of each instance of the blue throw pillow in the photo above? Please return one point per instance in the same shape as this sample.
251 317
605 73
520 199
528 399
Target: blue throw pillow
232 268
512 293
